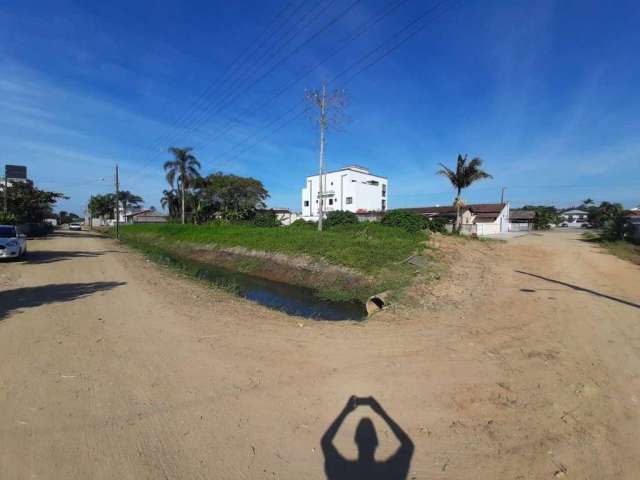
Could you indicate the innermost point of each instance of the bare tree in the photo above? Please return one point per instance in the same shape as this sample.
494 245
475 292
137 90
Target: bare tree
331 114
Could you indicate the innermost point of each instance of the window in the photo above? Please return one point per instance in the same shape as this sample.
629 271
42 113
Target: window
384 190
331 201
384 205
306 203
373 182
349 200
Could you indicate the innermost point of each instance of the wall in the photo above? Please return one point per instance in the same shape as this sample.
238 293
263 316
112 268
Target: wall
341 185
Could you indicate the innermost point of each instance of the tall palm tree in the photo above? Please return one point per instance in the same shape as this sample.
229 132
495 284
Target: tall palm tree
466 173
184 169
127 198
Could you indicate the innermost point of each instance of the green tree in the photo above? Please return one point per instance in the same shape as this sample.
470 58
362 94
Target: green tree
28 204
128 199
184 169
466 173
102 205
231 196
171 201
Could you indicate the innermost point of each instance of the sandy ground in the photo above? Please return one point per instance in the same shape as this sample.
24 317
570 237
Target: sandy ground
523 362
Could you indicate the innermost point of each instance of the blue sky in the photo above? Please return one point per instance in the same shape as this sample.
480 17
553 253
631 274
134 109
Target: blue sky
545 92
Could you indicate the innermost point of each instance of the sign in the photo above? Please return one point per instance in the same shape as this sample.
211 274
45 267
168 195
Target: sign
15 171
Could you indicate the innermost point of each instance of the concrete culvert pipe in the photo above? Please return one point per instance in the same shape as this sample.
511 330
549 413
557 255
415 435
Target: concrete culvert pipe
377 302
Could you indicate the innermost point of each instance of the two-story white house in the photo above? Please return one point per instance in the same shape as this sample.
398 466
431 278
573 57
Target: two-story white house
351 188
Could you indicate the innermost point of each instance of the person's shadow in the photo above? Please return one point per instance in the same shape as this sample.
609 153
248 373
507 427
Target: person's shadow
365 466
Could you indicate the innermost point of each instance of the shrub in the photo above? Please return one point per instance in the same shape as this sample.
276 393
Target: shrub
438 225
340 217
405 219
266 219
300 223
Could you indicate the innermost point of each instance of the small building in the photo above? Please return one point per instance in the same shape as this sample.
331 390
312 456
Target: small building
146 216
477 219
285 215
352 188
521 220
573 217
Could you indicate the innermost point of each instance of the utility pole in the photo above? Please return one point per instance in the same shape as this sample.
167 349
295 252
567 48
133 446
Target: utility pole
117 203
502 195
331 108
6 191
323 125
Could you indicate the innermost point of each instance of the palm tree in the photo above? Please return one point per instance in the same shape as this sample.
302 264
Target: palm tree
171 202
127 198
465 174
183 168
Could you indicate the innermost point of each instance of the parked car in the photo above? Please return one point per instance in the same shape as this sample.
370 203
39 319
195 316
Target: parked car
75 226
564 224
13 244
586 225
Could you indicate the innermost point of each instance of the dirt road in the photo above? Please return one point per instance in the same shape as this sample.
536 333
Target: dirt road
523 362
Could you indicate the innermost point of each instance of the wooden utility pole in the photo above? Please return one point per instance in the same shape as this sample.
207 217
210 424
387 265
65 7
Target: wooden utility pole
117 203
331 114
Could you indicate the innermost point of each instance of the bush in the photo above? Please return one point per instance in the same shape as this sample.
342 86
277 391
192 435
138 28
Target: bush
438 225
340 217
300 223
8 219
265 219
405 219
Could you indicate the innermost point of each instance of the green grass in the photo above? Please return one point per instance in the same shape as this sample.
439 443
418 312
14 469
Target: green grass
620 248
368 248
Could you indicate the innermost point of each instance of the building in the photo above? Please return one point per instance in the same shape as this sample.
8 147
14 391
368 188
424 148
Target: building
146 216
521 220
573 217
352 188
283 214
477 219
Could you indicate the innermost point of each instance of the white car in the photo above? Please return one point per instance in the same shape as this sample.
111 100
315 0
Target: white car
13 244
75 226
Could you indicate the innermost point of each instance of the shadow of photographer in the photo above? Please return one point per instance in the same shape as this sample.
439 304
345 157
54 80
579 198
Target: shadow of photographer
337 467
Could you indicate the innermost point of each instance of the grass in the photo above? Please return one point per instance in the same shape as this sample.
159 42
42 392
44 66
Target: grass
371 249
620 248
365 247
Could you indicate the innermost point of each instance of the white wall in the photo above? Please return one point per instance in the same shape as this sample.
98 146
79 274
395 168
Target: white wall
346 190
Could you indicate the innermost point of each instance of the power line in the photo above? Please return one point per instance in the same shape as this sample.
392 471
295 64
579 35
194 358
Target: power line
208 112
240 59
345 43
202 116
385 53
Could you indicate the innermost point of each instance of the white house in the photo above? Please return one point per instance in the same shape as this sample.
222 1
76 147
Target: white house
351 188
573 217
477 219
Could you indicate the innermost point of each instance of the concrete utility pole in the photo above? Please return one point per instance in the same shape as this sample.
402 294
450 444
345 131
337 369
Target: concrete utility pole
117 203
502 195
6 192
323 125
331 108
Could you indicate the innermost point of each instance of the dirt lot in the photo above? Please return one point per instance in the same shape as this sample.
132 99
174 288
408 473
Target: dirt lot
523 362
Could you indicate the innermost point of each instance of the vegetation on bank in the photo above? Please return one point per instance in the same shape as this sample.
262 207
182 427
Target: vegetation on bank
367 247
374 252
620 248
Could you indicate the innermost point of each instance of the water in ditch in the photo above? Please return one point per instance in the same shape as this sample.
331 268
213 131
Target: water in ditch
291 299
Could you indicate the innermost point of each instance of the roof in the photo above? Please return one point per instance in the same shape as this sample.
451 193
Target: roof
522 215
574 211
353 168
147 212
477 208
